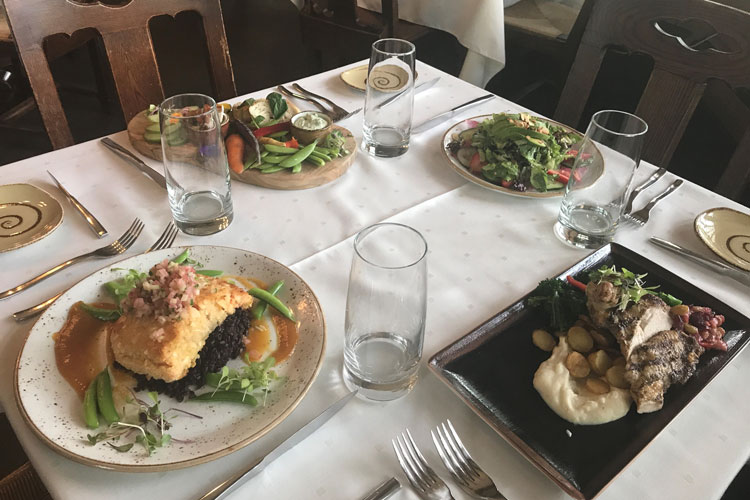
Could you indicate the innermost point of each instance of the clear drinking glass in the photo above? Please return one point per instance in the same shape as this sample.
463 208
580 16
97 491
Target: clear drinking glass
195 164
391 73
385 311
596 192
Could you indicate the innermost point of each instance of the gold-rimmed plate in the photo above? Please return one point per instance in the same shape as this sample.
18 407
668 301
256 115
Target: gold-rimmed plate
389 78
727 233
27 214
55 413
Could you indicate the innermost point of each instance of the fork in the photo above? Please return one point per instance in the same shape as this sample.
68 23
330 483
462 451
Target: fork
420 475
165 241
115 248
462 467
641 216
338 110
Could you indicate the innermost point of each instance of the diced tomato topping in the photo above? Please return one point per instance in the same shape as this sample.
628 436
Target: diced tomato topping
476 164
472 123
505 184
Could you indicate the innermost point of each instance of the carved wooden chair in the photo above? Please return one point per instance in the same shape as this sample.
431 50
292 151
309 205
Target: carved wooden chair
124 29
691 42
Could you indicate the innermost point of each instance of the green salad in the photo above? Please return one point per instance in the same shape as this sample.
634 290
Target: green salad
517 151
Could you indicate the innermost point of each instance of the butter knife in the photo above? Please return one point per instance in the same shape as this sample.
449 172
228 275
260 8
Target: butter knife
135 161
437 120
383 490
234 482
92 221
654 177
419 88
724 269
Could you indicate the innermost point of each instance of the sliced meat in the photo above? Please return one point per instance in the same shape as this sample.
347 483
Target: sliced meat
602 298
666 358
639 322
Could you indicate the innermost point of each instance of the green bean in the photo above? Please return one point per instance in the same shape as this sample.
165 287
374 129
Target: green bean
322 156
182 257
270 169
300 155
325 151
260 307
272 301
104 397
209 272
275 159
89 406
276 135
230 396
315 161
273 148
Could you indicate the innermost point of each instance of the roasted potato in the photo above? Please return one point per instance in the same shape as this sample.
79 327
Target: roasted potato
579 339
616 377
543 340
620 361
577 365
600 362
600 339
680 310
597 385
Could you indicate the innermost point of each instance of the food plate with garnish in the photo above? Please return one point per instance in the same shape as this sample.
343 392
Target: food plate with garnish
581 382
170 359
517 154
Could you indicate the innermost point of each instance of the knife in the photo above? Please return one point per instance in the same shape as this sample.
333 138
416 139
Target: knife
419 88
654 177
384 490
437 120
719 267
234 482
93 223
135 161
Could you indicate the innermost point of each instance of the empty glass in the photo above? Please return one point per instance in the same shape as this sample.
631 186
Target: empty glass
391 74
195 164
597 190
385 311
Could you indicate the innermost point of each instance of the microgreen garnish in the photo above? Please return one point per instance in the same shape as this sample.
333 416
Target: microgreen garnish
256 375
631 285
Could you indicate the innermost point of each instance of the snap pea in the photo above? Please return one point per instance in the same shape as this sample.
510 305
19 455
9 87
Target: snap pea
325 151
209 272
276 135
275 159
300 155
272 301
89 406
297 168
273 148
270 169
230 396
322 156
260 307
104 397
181 258
264 154
317 161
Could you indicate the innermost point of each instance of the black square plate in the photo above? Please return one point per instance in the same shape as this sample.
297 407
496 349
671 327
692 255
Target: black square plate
492 368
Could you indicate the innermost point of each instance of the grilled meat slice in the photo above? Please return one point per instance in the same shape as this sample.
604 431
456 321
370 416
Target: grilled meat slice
668 357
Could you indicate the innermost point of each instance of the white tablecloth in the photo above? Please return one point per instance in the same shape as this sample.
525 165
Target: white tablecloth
486 250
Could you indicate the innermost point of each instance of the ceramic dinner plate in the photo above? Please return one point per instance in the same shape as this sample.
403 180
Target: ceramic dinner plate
389 78
597 161
27 214
492 368
727 233
54 411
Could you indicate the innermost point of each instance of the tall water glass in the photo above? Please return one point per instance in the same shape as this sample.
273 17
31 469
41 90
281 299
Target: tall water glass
391 74
195 164
596 192
385 311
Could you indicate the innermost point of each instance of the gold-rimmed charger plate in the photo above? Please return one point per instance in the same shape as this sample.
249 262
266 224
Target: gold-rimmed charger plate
598 161
389 78
27 214
55 413
727 233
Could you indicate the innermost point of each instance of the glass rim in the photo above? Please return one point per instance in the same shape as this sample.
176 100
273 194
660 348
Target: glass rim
366 231
411 46
211 100
617 111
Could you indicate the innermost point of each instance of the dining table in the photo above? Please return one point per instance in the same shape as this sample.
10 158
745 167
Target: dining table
485 251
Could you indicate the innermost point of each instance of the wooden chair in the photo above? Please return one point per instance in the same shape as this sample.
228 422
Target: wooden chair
127 42
691 42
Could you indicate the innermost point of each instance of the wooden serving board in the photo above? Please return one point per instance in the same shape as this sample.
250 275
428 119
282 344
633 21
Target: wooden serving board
311 176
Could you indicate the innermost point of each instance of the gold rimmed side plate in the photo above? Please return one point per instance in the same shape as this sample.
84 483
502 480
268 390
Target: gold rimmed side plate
388 78
727 233
27 214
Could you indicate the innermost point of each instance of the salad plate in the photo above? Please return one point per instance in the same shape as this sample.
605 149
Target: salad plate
492 367
27 214
557 189
727 233
54 411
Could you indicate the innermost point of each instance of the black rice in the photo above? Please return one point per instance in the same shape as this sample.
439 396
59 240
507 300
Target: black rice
223 344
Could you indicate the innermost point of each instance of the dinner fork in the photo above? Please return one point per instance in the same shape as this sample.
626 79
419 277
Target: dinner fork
115 248
641 216
420 475
334 116
338 110
462 467
164 241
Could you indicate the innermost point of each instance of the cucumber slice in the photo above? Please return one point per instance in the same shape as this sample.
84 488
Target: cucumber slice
152 137
176 140
465 155
172 128
466 135
153 128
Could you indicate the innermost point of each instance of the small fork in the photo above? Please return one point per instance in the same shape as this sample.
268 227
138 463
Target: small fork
641 216
464 470
420 475
165 241
334 116
340 112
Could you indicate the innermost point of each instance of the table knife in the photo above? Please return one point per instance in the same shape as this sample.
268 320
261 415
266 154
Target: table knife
437 120
135 161
92 221
654 177
419 88
234 482
383 490
725 269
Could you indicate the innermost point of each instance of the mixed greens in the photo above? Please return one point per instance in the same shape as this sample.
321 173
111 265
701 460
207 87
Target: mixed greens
631 285
517 151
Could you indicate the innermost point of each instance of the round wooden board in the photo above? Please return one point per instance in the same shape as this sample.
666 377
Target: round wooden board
136 128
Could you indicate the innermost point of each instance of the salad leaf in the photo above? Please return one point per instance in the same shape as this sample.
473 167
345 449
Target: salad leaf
562 302
631 285
101 313
120 288
278 104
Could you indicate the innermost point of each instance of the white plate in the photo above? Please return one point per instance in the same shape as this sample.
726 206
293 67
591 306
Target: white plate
54 411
